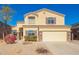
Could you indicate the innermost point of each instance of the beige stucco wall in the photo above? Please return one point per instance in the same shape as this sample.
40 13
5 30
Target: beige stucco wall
20 24
14 28
54 29
41 18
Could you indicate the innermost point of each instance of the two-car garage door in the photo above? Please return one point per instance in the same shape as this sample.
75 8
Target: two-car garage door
54 36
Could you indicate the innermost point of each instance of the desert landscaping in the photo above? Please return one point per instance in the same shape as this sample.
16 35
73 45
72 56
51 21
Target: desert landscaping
39 48
26 48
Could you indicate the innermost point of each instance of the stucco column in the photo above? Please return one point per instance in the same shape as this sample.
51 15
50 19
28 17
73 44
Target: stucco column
37 33
17 35
24 34
71 36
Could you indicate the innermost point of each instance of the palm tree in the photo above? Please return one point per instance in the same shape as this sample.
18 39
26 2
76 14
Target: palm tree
6 14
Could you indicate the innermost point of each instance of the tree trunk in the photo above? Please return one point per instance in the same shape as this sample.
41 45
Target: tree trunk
4 29
3 35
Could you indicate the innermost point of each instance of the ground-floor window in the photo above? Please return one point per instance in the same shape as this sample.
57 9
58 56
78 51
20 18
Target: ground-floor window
31 35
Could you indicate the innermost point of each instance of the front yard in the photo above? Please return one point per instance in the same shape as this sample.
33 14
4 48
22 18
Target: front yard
28 48
39 48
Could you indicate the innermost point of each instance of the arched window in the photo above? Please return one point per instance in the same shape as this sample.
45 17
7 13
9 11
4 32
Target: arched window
31 19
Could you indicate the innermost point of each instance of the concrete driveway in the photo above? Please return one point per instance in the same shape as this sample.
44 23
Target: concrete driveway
63 48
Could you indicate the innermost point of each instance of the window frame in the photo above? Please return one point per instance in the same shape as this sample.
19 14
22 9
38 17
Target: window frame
32 20
30 32
51 20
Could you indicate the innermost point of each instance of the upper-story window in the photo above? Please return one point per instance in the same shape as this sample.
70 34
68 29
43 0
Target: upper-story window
31 19
51 20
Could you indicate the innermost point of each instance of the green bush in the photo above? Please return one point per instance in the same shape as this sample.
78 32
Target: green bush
30 38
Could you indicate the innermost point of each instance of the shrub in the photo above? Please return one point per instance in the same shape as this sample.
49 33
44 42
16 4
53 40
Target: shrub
42 51
27 38
10 38
30 38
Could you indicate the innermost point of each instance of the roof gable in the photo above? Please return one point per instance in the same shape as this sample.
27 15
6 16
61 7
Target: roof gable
44 9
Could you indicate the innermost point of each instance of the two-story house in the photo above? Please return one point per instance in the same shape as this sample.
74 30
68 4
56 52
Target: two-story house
46 25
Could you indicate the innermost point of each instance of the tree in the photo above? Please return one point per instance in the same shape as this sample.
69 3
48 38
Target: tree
6 14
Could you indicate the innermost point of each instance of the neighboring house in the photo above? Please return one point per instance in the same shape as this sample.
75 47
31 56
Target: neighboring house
75 31
4 28
46 25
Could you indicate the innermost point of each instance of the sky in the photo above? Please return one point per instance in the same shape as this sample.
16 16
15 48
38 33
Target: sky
71 11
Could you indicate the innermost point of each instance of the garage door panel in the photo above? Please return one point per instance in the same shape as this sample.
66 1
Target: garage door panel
54 36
